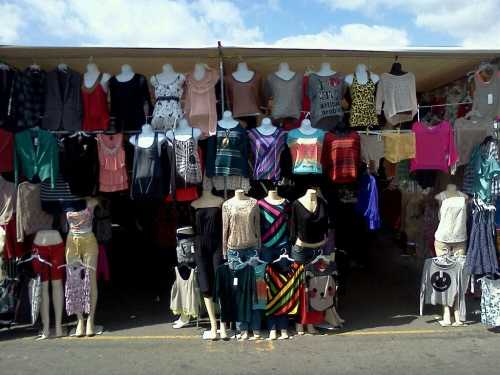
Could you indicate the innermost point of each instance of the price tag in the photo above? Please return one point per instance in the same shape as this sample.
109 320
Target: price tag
35 141
490 98
235 281
192 249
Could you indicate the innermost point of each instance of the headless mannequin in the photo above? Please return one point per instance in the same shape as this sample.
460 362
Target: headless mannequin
50 238
266 127
450 192
167 75
396 69
227 121
361 75
183 132
306 127
126 74
146 138
208 200
284 72
242 73
199 71
92 74
90 328
325 70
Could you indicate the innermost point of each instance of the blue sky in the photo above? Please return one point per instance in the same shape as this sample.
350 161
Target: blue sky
370 24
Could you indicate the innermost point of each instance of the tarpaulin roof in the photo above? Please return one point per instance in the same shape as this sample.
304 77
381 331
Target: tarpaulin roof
433 67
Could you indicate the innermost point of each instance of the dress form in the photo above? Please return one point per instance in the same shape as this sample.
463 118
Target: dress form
126 74
240 195
306 127
146 138
167 75
284 72
50 238
227 121
242 73
92 74
199 71
325 70
274 198
361 75
266 127
184 131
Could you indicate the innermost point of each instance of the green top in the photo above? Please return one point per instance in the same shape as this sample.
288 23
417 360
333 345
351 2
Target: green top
486 168
37 154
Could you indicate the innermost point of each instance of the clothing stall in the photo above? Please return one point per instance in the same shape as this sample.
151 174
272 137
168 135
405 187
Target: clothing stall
246 182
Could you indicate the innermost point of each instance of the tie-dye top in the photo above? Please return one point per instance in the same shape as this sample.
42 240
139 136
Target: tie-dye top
266 151
306 150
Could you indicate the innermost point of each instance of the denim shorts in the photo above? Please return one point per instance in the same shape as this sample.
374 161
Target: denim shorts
305 255
236 258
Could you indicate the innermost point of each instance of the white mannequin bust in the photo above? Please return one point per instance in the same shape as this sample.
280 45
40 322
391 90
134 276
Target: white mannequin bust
167 75
274 198
266 127
361 75
227 121
199 71
240 195
206 200
284 72
146 138
92 74
325 70
184 131
306 127
126 74
242 73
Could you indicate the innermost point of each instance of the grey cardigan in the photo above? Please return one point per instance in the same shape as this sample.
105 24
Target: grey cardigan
63 110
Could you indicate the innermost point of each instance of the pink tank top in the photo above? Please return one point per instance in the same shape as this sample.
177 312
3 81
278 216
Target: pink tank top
113 171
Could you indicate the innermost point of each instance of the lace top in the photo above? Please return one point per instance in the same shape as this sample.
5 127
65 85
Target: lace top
167 109
80 222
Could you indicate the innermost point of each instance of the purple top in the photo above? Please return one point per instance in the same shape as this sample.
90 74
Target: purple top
368 202
266 151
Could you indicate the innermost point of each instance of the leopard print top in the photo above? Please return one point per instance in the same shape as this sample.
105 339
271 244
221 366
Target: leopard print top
363 111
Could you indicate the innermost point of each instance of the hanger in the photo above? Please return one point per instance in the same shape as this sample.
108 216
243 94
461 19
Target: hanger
256 259
321 256
79 263
284 255
37 257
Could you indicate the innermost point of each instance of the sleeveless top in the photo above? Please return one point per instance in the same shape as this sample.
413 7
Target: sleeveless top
95 107
112 171
185 295
147 172
486 101
77 290
363 112
187 160
167 109
80 222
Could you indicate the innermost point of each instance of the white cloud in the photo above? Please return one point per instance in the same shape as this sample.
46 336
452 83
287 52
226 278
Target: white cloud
145 23
351 36
474 22
11 21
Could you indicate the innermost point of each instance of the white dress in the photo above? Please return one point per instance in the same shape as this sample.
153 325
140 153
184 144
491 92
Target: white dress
167 111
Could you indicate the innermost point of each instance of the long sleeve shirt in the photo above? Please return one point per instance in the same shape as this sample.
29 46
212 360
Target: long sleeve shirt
444 284
240 224
398 97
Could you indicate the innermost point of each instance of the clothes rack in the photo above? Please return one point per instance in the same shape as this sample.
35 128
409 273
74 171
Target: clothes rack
439 105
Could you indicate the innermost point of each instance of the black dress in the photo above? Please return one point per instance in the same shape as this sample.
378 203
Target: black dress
208 256
127 102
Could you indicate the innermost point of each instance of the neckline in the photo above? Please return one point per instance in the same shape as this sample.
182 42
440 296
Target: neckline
169 83
430 127
305 208
286 80
130 80
267 135
245 82
94 86
306 134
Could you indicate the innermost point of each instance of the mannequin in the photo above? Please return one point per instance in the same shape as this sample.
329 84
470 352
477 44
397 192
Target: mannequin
361 75
92 74
62 67
126 74
242 73
306 127
274 198
450 192
227 121
199 71
284 72
325 70
167 75
146 138
51 238
266 127
183 131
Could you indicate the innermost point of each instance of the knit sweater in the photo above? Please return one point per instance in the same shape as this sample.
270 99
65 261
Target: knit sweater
398 94
240 224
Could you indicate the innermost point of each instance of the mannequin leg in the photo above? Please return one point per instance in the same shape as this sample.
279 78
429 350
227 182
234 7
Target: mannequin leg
209 304
58 302
446 317
93 303
300 329
45 311
458 321
311 329
223 332
333 318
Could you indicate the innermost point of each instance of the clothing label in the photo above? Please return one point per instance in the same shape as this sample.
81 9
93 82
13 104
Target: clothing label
490 98
235 281
192 249
35 141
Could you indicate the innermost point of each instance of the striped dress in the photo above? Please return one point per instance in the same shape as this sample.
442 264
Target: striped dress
284 289
266 151
274 224
228 152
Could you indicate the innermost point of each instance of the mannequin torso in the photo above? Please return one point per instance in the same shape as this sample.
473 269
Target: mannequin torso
361 76
266 127
183 131
199 71
306 127
325 70
284 72
239 195
146 138
242 73
274 198
207 200
450 192
167 75
91 76
227 121
47 238
126 74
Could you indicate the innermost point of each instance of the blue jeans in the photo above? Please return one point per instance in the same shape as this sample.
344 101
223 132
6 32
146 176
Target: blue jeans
305 255
254 324
236 258
277 322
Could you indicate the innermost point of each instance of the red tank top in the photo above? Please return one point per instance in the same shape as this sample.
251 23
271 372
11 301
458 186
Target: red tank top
95 107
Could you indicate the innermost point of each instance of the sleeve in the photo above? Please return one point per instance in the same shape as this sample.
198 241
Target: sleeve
19 215
293 224
379 98
256 215
54 164
267 93
244 152
423 284
463 282
95 166
79 101
226 224
146 96
309 91
452 151
413 95
210 157
16 161
286 161
326 159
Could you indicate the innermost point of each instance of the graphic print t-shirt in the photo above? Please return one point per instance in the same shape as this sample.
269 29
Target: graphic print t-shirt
326 94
